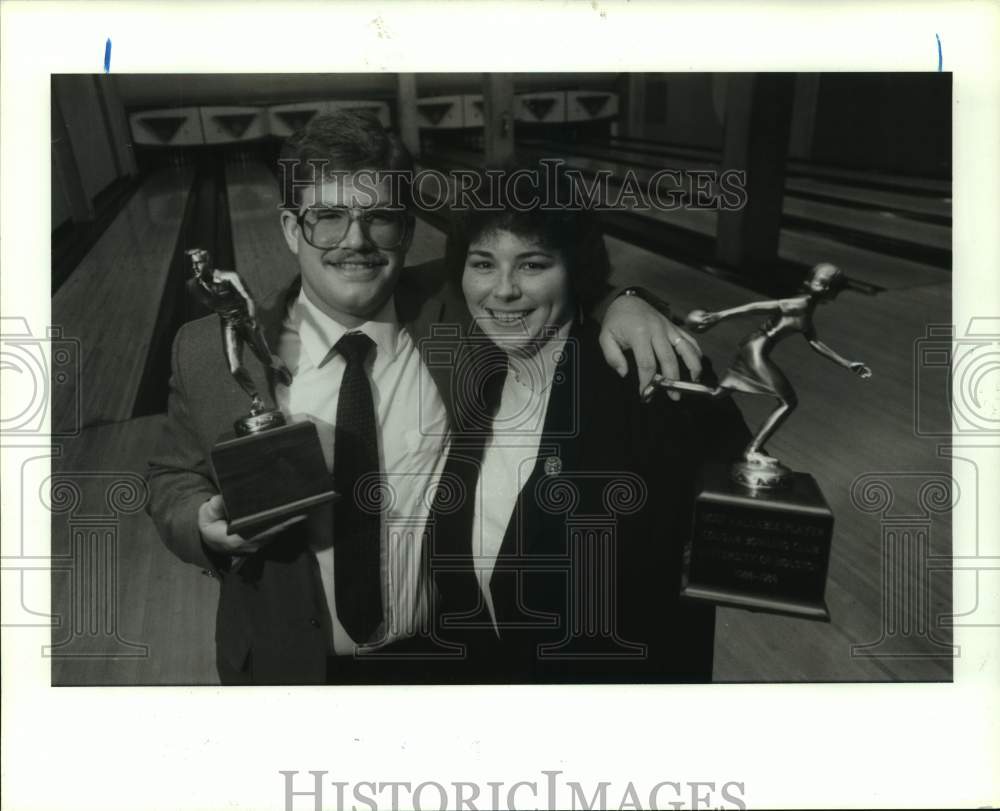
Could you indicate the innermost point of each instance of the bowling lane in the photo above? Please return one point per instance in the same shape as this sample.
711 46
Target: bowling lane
260 252
879 223
258 245
924 196
863 221
882 269
163 618
110 301
844 427
428 244
932 202
900 203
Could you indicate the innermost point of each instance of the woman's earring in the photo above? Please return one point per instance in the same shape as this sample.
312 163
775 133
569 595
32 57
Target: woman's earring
579 313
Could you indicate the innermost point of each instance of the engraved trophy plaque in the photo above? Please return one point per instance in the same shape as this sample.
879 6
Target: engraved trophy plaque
761 533
268 468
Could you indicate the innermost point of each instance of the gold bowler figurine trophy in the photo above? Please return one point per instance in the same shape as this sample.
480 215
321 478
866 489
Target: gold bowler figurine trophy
761 535
268 469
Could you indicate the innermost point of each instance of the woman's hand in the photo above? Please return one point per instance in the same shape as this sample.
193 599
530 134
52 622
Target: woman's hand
213 526
631 323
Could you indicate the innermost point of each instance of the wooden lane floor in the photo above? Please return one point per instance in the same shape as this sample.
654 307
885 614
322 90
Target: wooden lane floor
110 301
795 244
842 215
920 197
162 625
428 244
881 270
262 257
258 245
843 429
938 208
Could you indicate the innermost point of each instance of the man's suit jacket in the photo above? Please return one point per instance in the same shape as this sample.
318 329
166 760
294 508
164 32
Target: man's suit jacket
595 540
272 621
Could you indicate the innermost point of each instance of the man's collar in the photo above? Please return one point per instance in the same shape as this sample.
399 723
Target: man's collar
320 332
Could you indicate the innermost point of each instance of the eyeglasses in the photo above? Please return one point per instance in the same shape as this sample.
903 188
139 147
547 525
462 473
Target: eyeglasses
326 227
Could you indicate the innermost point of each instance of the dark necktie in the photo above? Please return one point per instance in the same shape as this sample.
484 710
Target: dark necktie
356 524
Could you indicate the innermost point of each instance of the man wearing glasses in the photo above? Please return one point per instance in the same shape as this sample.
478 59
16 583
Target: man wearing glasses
299 602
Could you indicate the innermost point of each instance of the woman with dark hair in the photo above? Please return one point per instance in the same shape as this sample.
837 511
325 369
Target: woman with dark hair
559 525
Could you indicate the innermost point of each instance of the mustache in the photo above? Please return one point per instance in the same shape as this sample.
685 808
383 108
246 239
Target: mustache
352 257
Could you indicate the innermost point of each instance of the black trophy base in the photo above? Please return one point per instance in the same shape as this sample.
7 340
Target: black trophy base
270 476
763 550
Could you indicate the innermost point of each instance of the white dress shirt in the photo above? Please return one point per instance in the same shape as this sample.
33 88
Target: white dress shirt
412 432
511 453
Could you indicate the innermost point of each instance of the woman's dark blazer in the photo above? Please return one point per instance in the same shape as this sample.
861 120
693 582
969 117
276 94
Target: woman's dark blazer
585 586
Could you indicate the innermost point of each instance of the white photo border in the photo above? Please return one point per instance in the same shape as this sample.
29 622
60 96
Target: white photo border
920 745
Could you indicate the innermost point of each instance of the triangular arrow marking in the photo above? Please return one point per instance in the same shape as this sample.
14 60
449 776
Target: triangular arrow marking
593 104
236 124
539 108
296 119
164 128
435 112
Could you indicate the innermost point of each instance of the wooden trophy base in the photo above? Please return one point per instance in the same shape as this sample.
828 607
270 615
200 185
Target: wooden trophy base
763 550
270 476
